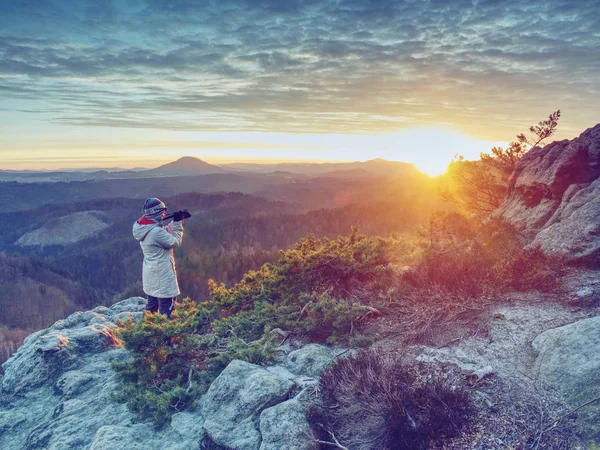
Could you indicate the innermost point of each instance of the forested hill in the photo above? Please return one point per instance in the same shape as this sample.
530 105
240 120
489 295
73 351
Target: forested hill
24 196
125 211
34 294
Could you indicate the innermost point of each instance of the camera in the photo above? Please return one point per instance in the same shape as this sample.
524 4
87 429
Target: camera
185 214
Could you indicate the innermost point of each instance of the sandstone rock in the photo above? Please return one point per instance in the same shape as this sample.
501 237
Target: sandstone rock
44 359
190 426
309 361
140 437
285 426
73 383
553 197
133 304
56 391
47 354
574 229
568 359
115 436
233 404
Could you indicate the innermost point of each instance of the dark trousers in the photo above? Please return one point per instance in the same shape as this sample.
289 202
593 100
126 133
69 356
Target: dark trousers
162 305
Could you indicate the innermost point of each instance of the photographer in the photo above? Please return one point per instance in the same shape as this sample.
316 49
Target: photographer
159 278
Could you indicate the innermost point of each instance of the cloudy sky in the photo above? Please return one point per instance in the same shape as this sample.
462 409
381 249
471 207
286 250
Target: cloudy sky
101 82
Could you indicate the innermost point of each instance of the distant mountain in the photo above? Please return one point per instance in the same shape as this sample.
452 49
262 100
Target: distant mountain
308 192
30 176
389 168
22 196
378 167
348 173
186 166
189 166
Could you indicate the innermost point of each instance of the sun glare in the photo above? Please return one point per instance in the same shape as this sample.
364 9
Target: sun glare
433 170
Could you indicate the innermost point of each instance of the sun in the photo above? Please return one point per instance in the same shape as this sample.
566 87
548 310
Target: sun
430 149
433 168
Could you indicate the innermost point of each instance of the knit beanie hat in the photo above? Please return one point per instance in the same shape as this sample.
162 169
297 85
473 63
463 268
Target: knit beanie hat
154 208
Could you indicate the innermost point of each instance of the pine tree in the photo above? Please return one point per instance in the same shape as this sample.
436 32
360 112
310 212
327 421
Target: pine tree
481 186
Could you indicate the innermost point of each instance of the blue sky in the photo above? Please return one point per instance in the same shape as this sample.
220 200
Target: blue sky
108 80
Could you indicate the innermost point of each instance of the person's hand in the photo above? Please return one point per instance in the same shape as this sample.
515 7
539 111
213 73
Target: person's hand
178 217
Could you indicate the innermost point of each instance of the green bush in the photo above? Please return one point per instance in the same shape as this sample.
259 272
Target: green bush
370 402
308 290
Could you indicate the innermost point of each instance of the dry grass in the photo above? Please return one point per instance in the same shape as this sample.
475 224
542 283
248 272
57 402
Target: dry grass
369 401
430 316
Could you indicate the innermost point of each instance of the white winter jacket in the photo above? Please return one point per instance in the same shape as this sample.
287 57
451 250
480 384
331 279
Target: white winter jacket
159 277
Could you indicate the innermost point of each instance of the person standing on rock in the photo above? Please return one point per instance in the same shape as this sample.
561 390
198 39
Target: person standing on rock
159 277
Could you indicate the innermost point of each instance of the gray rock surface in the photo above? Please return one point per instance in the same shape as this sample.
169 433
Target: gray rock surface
285 426
568 358
233 404
554 197
574 228
55 391
144 437
309 361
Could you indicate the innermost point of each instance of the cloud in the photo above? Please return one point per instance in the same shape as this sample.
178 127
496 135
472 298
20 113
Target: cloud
482 66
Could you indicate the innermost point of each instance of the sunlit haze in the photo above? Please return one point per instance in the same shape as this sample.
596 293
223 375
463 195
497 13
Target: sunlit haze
141 83
430 149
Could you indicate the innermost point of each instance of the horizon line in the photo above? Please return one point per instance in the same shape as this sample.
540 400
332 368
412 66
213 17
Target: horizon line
162 161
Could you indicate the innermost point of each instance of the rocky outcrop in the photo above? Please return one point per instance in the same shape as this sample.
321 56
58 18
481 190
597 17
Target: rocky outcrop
56 394
554 197
568 359
309 361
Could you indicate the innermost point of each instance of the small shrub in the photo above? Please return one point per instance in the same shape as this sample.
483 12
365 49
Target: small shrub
370 402
467 257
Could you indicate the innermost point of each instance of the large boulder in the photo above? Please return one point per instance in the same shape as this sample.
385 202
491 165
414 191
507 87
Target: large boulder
235 400
568 359
554 197
185 433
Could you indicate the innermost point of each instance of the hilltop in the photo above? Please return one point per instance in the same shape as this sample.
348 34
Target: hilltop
185 166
